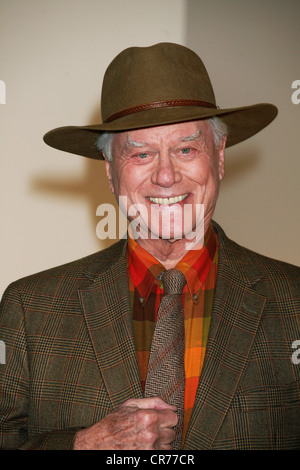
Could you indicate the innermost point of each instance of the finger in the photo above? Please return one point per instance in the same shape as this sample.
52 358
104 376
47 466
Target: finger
168 419
154 403
166 447
166 436
159 404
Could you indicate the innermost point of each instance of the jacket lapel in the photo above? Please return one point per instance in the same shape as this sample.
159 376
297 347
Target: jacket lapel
106 308
237 310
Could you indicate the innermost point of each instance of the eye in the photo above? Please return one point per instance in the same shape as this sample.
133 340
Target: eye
143 155
185 150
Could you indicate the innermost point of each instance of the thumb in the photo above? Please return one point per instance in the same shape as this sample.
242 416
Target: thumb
154 403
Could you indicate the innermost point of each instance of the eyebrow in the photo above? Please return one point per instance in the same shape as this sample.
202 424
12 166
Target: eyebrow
189 138
131 143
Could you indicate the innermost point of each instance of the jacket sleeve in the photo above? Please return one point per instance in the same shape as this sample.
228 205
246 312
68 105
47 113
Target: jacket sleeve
53 440
15 383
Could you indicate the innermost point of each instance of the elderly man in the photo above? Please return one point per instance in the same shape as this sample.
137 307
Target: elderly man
156 343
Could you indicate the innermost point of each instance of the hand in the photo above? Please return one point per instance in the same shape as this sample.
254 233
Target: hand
138 424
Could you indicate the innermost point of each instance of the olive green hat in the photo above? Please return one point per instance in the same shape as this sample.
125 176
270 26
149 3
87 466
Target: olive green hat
150 86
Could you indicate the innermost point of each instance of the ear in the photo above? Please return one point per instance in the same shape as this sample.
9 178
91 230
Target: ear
221 150
108 170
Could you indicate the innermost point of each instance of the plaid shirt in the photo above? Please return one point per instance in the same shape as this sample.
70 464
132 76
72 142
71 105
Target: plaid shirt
200 269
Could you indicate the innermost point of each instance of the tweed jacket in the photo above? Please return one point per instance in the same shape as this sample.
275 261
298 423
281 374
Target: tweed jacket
70 356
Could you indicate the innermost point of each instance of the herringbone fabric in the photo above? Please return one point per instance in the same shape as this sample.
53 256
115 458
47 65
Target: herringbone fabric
165 373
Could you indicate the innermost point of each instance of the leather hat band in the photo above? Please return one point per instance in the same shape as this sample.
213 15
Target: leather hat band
158 104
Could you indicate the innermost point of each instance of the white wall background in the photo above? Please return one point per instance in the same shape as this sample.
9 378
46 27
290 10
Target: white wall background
53 55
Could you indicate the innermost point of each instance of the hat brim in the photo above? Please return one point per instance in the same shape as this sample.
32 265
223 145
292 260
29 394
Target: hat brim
242 122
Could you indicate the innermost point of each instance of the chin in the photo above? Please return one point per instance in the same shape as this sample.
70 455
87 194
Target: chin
163 233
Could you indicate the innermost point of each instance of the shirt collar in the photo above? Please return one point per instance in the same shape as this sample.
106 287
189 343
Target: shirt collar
143 268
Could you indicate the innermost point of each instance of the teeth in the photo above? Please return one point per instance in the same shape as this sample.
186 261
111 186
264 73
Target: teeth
168 200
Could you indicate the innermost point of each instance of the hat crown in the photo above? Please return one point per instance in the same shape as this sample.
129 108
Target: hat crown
165 71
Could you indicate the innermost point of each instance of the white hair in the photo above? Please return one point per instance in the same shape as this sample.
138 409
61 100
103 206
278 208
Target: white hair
219 129
105 140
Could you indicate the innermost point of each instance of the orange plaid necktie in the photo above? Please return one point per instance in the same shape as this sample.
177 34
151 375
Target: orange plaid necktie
165 373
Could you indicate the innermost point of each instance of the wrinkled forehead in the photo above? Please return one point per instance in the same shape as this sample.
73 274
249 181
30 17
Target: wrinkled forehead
170 134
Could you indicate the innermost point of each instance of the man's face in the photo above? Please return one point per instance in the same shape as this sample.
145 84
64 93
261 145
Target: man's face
165 168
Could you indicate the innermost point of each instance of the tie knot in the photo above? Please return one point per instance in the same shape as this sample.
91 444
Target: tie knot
173 281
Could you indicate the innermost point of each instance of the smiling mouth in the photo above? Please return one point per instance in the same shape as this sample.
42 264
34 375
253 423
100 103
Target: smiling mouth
168 200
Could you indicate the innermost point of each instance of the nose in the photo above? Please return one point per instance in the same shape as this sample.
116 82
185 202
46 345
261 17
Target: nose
165 173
